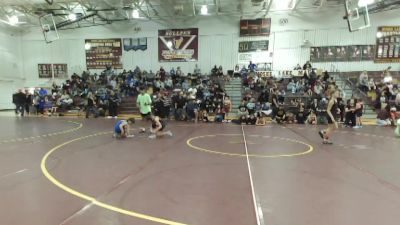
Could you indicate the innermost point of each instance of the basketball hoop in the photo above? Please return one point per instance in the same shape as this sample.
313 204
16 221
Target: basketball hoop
49 28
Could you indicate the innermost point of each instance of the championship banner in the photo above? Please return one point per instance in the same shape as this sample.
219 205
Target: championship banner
101 53
135 44
253 46
60 70
342 53
388 44
178 45
45 71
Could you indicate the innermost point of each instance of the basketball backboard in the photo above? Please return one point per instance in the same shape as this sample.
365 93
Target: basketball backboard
49 28
357 15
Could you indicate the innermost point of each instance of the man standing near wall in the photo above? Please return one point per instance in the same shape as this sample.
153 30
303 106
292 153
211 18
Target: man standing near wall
144 103
19 100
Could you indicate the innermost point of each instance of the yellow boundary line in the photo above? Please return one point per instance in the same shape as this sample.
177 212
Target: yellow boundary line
13 140
91 199
309 150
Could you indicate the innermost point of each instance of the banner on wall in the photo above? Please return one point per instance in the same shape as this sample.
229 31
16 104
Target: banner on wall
60 70
53 70
135 44
253 46
388 44
255 57
342 53
45 71
101 53
178 45
257 27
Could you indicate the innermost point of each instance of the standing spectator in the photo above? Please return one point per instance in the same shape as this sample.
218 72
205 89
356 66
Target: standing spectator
192 109
252 67
91 105
167 105
363 81
113 102
307 66
144 103
28 101
19 100
179 104
274 102
42 92
227 104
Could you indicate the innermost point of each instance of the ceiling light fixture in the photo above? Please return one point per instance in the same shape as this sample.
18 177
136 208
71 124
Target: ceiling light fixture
13 20
204 10
72 16
379 34
363 3
135 13
88 46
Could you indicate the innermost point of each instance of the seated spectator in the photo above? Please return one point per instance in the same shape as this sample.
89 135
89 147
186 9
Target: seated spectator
251 120
242 110
291 86
290 118
179 102
312 118
185 85
371 84
261 120
350 115
219 114
301 117
393 116
168 83
280 115
325 76
251 106
384 118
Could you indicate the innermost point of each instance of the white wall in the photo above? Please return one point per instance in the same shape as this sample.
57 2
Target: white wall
10 66
218 42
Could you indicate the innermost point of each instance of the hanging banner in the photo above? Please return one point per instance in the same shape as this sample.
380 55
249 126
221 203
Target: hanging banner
342 53
135 44
257 27
178 45
388 44
45 71
60 70
101 53
253 46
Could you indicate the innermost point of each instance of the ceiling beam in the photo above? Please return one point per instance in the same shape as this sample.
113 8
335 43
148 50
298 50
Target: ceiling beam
268 7
296 4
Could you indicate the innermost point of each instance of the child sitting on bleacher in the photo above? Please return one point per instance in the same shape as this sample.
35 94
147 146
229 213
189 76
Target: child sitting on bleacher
280 115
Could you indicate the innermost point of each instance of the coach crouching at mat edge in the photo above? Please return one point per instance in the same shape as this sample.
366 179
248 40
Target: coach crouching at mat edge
144 103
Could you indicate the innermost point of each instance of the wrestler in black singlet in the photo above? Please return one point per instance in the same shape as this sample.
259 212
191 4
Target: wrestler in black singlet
154 124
